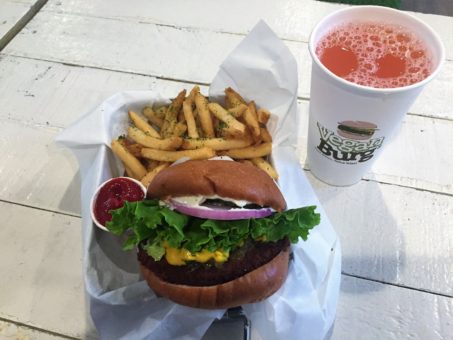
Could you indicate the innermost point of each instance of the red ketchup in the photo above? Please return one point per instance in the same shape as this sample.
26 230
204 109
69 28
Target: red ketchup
112 196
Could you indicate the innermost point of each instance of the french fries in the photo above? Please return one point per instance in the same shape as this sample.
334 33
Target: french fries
254 151
190 119
129 172
180 129
193 93
134 148
251 119
233 126
146 180
232 98
136 168
204 116
263 116
265 135
195 128
140 123
237 111
216 143
170 143
171 116
150 164
266 166
173 156
160 112
153 117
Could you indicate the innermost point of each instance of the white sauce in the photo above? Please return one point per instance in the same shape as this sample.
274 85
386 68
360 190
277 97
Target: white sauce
195 201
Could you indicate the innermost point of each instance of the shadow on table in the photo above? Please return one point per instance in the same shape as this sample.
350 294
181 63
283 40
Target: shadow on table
111 247
373 244
70 202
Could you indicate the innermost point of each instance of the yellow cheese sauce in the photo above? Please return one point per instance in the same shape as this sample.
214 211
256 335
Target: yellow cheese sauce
178 257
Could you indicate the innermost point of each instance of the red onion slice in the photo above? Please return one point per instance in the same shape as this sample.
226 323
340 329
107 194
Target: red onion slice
221 214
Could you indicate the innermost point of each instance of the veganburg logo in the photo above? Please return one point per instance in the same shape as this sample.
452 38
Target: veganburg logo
352 144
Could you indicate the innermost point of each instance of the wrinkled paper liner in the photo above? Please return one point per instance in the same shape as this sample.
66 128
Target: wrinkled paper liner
121 304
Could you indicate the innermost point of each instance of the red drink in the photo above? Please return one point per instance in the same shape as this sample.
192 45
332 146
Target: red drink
375 54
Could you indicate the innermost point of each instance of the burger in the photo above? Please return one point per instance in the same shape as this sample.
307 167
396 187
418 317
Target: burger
213 233
356 129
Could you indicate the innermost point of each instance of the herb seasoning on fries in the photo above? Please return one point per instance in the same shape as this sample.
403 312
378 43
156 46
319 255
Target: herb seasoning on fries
192 126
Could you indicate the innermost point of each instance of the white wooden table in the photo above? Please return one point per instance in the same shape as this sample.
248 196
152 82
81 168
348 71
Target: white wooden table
397 280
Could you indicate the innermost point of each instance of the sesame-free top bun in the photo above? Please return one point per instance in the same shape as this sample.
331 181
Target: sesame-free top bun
223 178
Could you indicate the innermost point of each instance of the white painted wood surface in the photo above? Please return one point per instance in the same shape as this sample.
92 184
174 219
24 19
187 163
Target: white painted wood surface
11 12
390 313
11 331
395 226
41 269
291 20
112 44
14 14
393 234
35 88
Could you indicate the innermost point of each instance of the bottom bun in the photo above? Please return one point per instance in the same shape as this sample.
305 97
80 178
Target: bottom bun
251 287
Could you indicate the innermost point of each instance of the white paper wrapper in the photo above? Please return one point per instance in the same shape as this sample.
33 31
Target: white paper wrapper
121 304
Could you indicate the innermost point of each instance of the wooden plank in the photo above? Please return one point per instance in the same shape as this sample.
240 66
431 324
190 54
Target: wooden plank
12 331
59 94
300 16
14 14
392 234
370 310
10 13
54 95
163 51
112 44
49 295
434 100
420 152
35 172
40 261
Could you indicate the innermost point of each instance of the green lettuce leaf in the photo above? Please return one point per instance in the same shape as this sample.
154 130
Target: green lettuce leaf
151 224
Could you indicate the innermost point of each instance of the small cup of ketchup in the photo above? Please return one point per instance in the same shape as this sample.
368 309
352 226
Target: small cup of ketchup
111 195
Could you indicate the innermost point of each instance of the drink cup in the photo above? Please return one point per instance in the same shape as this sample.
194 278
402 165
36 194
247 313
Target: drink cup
349 124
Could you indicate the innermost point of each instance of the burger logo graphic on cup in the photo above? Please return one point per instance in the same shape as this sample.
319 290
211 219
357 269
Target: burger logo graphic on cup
351 143
356 129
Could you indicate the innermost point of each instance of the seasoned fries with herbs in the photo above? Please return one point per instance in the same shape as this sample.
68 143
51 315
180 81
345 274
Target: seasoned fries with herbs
204 116
195 128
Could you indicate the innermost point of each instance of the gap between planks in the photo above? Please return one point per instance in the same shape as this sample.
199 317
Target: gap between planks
395 285
21 23
394 184
42 330
343 273
64 336
40 209
178 80
159 24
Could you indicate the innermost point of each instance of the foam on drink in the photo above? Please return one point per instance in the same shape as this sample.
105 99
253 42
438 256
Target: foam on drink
375 54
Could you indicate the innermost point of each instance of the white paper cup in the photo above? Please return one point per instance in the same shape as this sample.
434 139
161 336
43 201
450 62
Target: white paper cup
343 159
